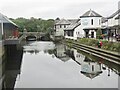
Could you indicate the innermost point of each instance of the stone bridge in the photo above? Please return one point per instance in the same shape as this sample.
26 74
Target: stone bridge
36 35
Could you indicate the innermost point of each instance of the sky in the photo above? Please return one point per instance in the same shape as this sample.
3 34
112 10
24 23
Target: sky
51 9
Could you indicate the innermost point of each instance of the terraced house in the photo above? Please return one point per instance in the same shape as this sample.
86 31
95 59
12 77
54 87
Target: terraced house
111 25
88 24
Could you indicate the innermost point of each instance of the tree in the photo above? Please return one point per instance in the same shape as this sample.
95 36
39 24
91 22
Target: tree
99 33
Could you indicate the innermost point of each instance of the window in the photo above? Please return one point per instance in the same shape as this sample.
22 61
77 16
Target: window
92 68
99 21
64 26
70 33
60 26
91 21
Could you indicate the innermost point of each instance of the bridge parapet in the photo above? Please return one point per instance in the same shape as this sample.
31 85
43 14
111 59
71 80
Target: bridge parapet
35 34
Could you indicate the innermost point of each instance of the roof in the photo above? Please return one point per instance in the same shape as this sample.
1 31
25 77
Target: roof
5 19
92 28
90 13
74 24
118 17
72 21
104 19
63 22
91 75
114 14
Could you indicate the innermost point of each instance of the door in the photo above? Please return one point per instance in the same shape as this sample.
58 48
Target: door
92 34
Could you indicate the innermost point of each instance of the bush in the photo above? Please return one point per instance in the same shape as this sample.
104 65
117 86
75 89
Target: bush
112 46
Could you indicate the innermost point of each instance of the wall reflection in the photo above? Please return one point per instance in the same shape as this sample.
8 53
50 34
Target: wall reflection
11 66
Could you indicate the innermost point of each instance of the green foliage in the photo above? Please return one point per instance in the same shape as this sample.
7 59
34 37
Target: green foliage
34 25
99 33
112 46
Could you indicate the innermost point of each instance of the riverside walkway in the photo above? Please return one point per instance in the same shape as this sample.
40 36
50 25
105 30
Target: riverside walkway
107 55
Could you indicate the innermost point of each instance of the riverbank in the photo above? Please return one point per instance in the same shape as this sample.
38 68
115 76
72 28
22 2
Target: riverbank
95 51
109 46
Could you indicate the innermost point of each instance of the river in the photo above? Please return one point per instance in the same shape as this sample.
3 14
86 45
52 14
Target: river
43 64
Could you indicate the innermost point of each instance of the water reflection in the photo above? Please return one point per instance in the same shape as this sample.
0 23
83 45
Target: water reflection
11 66
36 47
89 67
56 65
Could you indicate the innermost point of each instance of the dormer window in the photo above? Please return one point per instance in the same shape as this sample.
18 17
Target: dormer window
91 21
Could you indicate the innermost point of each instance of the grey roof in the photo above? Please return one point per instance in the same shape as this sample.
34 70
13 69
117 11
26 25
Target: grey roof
118 17
5 19
103 20
63 22
72 21
91 75
114 14
90 13
73 25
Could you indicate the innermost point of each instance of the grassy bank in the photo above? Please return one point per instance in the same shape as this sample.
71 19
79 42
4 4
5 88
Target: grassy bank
111 46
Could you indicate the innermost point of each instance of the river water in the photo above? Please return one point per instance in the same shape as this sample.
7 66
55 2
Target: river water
44 64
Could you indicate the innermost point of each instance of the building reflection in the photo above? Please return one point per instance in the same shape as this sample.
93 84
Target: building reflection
36 47
12 66
89 67
60 52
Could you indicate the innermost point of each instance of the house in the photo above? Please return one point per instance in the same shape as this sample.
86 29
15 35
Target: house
112 26
86 26
60 25
72 31
60 52
90 68
8 29
90 23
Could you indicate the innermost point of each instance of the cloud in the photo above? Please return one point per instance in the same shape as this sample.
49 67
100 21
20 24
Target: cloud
55 8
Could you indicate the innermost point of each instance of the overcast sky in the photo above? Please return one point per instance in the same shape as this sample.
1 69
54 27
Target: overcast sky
56 8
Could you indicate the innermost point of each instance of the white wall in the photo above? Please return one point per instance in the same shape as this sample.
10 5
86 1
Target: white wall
86 22
79 32
60 31
87 67
112 21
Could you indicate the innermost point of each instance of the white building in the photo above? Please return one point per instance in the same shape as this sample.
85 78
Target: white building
111 26
60 52
86 26
73 31
59 27
89 67
90 23
113 23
